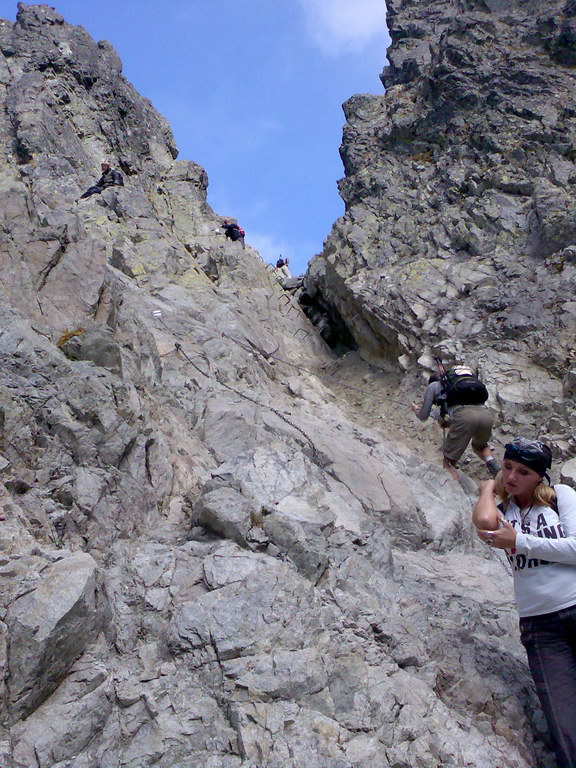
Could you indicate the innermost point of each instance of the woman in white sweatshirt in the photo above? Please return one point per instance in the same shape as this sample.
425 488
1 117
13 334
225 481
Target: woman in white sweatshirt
536 526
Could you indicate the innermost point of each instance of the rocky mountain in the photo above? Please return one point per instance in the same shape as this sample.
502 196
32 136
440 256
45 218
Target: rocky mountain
459 237
222 545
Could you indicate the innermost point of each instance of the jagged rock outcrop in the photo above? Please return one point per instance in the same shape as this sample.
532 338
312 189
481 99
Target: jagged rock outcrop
459 233
49 628
253 576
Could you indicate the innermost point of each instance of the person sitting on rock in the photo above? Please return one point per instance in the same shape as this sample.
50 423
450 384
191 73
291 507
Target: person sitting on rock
109 178
233 231
466 421
282 271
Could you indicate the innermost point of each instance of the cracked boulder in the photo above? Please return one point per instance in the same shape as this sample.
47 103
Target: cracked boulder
48 628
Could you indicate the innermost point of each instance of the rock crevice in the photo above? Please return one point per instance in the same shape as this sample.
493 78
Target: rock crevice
458 235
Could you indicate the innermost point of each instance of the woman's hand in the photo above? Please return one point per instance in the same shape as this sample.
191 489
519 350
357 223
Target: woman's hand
487 486
503 538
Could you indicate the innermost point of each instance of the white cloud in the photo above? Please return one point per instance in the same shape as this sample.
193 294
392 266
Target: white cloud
338 26
269 246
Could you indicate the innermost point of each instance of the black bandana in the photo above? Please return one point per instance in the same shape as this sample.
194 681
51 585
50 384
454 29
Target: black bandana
532 453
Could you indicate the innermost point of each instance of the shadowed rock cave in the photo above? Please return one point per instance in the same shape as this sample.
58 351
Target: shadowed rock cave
329 323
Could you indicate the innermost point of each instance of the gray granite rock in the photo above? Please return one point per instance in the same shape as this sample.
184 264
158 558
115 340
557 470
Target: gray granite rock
227 513
48 628
96 344
69 722
568 473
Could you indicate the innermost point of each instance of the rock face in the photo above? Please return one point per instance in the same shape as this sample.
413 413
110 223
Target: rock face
208 555
459 233
49 628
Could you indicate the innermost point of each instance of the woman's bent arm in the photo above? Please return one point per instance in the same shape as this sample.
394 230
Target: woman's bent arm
486 515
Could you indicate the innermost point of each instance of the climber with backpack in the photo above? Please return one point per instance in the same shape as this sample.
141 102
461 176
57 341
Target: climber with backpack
460 397
233 232
282 269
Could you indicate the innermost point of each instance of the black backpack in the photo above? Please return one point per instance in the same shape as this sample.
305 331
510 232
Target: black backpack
461 387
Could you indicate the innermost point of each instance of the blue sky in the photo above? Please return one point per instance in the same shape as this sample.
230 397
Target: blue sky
253 92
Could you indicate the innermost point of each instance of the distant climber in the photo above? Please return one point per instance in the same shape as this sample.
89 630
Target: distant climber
460 397
233 232
282 270
109 178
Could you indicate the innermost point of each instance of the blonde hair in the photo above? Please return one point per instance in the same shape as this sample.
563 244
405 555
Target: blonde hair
543 494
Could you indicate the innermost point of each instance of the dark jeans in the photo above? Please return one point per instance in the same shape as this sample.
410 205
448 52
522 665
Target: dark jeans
95 190
550 642
237 238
